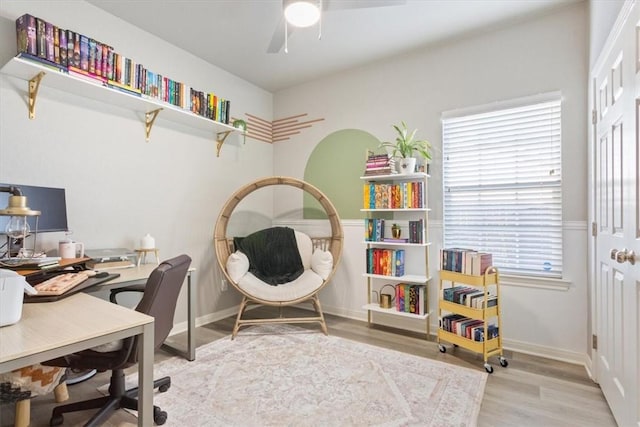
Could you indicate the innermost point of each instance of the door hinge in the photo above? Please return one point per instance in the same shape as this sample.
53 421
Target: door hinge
594 229
594 342
594 117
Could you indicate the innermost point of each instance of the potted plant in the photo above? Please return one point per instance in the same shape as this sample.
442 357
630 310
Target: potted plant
242 126
404 147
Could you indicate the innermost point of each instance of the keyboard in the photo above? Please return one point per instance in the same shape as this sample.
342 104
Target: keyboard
61 283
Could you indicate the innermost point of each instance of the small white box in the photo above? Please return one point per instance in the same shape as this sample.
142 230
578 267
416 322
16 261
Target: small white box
12 286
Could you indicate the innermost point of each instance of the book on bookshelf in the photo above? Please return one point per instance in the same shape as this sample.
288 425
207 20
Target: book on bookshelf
41 38
465 261
26 34
51 65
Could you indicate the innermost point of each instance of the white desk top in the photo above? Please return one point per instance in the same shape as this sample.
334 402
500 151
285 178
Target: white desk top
131 274
72 320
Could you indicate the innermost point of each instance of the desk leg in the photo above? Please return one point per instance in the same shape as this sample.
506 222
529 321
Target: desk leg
145 376
190 353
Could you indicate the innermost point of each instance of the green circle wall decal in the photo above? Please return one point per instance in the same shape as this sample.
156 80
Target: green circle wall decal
335 167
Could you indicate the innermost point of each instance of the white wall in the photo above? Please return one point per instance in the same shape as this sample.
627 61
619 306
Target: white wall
602 15
118 186
548 53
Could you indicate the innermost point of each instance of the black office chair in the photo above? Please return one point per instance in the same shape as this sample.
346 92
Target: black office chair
159 300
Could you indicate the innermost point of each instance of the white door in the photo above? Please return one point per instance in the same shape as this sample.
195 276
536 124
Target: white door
616 269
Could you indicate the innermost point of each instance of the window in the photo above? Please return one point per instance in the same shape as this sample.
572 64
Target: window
503 185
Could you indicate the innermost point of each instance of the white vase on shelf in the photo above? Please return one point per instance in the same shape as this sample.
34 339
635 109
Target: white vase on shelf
406 165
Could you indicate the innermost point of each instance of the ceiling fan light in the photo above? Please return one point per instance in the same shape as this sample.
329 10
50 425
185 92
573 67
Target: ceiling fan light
301 13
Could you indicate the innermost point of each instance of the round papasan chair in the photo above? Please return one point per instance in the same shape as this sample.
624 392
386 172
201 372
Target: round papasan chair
320 257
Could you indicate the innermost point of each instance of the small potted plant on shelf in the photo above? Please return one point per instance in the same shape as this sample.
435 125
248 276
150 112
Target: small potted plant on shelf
241 125
404 147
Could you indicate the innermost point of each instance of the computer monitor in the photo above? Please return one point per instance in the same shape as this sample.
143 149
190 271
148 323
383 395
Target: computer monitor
51 202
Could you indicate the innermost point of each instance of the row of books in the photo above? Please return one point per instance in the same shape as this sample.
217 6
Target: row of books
410 298
385 262
466 327
79 55
379 164
416 231
469 296
404 195
465 261
374 231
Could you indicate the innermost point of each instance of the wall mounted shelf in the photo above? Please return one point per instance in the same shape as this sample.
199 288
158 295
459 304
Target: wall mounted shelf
38 75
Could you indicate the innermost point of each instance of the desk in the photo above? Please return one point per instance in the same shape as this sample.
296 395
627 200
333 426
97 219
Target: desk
139 275
81 321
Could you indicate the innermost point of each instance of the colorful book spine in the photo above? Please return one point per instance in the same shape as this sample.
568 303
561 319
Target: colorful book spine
26 34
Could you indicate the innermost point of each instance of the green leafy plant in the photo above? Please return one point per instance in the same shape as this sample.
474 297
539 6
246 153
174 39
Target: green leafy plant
406 144
242 126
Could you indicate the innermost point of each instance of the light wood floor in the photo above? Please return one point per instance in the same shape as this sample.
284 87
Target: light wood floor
531 391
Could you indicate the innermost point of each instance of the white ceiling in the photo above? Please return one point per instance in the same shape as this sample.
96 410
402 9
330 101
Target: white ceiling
235 34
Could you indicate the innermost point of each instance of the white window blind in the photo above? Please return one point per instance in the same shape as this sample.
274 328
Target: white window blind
503 187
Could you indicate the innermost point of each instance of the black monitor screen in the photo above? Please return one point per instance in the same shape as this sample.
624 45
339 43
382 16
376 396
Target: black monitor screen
50 202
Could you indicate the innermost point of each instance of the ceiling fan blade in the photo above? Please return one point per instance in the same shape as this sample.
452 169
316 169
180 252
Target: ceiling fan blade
359 4
277 40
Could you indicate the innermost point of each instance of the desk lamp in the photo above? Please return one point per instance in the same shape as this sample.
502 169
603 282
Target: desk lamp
18 227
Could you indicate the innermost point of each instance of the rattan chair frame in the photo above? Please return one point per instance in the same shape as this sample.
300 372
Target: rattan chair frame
224 248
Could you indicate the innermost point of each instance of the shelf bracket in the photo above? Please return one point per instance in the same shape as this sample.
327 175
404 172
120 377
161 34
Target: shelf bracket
220 138
34 85
150 117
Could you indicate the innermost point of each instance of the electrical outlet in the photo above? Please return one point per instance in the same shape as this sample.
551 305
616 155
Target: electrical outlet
223 285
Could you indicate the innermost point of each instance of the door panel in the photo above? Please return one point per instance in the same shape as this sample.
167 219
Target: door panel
616 185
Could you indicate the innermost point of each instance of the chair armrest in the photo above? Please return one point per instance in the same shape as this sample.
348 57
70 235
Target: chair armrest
132 288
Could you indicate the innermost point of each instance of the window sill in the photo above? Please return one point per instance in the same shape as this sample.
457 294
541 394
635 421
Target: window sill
535 282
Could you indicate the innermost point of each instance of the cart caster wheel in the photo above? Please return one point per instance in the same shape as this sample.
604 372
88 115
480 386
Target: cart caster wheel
488 368
503 362
164 388
159 416
442 348
56 420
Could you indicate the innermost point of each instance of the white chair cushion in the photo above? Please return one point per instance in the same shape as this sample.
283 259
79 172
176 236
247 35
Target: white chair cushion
237 265
322 262
307 283
305 247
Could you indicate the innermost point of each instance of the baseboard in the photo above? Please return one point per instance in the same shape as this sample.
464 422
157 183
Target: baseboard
512 345
181 327
575 358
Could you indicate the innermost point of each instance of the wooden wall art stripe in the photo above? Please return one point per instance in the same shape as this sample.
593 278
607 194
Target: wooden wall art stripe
277 130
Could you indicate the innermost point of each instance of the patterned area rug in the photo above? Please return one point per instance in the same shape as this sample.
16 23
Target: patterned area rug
281 375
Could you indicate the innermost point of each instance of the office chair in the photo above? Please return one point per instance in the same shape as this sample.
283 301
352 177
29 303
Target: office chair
158 300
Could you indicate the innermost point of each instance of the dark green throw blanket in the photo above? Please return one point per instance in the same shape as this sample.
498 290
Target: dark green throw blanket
273 254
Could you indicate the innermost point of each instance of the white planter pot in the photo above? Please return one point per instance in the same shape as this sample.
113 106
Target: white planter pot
406 165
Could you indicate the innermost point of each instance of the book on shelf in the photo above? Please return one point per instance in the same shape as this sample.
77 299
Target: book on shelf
41 61
85 75
465 261
379 164
26 34
96 264
41 38
392 240
42 263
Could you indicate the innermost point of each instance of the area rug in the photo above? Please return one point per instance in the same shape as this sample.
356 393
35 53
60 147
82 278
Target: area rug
282 375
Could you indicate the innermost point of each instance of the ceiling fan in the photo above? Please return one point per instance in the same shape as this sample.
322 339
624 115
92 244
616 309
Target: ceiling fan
305 13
